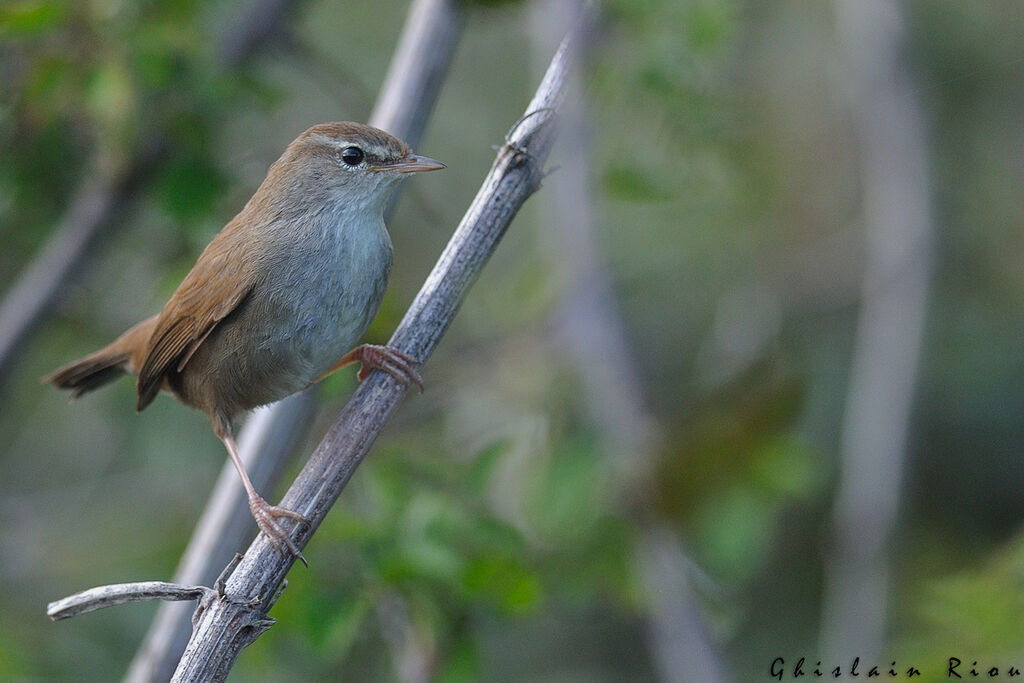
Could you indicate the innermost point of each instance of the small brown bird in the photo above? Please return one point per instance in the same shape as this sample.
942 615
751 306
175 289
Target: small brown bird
278 298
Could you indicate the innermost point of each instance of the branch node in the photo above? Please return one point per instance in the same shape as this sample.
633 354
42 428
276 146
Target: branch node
222 579
520 146
204 604
550 111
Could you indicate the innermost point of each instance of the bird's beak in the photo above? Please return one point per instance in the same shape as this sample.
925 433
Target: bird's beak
414 163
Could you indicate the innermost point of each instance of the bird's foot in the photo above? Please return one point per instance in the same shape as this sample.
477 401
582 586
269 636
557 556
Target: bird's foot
399 365
264 513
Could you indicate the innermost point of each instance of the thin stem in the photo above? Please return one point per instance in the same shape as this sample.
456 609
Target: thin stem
120 593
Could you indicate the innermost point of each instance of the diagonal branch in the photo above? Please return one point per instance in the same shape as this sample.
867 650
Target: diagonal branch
226 626
425 48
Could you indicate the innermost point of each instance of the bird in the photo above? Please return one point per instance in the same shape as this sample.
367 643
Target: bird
278 299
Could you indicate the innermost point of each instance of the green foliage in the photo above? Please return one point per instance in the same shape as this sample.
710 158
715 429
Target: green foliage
635 184
972 614
503 580
28 18
190 186
407 531
734 467
90 84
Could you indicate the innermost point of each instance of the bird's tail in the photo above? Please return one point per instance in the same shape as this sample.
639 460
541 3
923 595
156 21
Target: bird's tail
105 365
89 373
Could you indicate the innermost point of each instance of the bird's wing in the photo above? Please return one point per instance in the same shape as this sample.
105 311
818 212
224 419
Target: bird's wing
218 283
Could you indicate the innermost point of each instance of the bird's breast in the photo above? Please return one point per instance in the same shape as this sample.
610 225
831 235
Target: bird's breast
314 303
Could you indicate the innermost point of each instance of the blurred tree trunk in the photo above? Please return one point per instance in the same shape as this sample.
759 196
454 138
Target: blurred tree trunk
894 297
678 639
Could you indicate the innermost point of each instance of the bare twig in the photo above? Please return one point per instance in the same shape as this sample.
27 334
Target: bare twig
120 593
225 626
106 193
427 43
889 329
262 22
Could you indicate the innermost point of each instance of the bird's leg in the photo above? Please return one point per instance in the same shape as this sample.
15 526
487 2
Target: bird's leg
262 511
399 365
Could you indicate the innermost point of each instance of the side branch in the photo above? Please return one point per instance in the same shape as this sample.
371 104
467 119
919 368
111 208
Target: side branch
120 593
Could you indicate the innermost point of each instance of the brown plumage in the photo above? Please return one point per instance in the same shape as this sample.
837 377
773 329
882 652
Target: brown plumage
278 296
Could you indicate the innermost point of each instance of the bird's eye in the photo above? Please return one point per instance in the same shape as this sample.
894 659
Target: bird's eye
352 156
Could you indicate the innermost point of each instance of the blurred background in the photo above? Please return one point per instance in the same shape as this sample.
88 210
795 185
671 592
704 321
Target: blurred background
743 381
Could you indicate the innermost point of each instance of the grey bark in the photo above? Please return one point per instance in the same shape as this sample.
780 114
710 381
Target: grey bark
270 435
120 593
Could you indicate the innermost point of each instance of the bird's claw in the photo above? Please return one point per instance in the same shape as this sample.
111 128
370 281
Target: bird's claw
264 514
398 364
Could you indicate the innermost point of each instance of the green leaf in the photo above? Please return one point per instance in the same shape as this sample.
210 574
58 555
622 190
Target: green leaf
506 581
483 466
346 622
30 18
786 467
710 24
569 503
634 184
735 531
189 187
462 664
